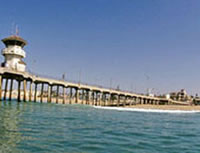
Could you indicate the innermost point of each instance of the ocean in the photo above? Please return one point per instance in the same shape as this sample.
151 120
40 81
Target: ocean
40 127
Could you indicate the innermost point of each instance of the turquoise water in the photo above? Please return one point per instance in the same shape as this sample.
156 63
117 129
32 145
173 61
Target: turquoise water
35 127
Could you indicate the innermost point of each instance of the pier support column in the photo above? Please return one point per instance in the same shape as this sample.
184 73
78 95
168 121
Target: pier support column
6 89
87 97
19 92
125 98
100 99
24 82
137 100
131 101
57 95
48 94
93 98
64 97
142 101
110 100
70 95
104 99
0 87
42 93
118 100
11 88
35 94
96 99
30 91
77 96
83 96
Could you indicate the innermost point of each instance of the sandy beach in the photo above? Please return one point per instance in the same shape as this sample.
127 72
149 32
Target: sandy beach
166 107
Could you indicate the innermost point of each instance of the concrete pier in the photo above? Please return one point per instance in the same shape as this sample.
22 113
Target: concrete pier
70 93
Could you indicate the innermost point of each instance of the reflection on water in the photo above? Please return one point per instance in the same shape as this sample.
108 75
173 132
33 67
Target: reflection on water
35 127
9 127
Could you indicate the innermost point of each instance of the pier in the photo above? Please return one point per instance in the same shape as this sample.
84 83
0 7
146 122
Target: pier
17 83
60 91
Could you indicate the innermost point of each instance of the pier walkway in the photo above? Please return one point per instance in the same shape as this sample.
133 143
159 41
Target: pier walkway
67 92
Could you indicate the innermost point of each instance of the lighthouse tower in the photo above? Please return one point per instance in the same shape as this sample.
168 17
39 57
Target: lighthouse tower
14 53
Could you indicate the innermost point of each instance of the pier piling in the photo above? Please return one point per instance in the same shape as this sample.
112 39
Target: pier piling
57 95
64 93
6 89
0 87
30 91
19 91
24 82
11 88
42 93
35 94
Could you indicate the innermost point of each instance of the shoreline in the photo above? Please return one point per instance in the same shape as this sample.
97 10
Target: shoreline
166 107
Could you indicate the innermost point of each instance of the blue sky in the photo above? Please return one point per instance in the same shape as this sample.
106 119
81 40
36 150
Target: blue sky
138 44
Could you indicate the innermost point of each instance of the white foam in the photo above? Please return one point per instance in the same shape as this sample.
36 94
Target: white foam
146 110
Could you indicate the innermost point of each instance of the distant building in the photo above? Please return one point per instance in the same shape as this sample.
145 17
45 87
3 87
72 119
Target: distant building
151 95
180 96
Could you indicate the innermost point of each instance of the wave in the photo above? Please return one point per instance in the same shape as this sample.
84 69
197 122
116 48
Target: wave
147 110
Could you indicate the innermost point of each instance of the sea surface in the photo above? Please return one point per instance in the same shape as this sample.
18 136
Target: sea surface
40 127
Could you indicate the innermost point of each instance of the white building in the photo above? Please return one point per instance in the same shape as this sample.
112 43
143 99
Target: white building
14 53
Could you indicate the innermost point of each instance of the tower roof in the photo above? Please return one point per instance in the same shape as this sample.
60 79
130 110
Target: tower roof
14 38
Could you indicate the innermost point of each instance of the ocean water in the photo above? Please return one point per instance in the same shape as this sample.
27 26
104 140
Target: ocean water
39 127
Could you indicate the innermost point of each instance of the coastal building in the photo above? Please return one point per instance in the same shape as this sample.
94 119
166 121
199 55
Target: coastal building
180 96
14 53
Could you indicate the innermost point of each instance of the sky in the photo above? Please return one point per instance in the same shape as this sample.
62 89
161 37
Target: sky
134 44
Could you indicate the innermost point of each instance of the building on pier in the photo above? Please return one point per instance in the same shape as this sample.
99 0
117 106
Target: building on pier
14 53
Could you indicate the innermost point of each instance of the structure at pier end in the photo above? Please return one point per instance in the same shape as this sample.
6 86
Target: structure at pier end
14 53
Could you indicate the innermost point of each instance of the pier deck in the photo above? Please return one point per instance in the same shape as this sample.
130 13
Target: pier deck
71 92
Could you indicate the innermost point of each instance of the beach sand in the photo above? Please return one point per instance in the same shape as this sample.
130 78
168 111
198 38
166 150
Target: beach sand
166 107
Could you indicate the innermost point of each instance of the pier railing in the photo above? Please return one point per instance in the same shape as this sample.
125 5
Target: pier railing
77 82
